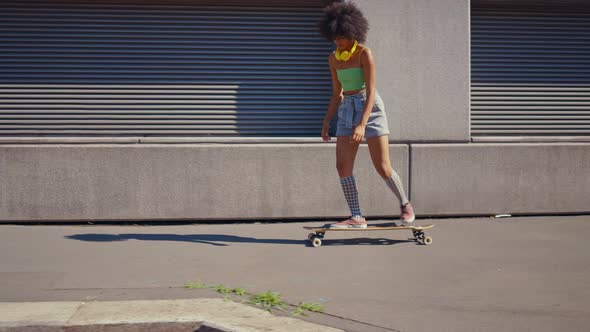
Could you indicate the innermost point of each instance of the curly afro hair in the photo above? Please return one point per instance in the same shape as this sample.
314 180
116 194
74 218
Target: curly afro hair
344 19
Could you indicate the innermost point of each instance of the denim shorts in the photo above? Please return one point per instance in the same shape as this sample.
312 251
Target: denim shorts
350 113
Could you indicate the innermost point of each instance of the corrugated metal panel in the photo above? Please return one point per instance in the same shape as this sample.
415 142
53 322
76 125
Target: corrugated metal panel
530 69
112 69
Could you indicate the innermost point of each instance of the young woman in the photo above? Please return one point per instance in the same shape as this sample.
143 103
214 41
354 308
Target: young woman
360 110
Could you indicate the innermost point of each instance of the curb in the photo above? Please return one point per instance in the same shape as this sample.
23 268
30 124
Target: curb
190 315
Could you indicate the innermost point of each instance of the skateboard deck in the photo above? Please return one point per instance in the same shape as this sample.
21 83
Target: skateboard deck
320 232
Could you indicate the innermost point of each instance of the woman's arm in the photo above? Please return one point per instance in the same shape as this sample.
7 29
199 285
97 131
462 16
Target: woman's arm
336 93
368 64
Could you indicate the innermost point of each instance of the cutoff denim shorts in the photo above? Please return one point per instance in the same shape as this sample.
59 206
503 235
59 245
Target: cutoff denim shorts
350 113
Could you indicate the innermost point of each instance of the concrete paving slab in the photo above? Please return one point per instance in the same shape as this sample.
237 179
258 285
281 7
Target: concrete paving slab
223 315
37 313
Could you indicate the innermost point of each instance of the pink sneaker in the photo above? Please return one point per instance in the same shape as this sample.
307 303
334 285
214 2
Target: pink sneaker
407 216
350 223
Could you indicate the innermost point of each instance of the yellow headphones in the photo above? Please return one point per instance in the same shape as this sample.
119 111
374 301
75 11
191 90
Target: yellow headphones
345 55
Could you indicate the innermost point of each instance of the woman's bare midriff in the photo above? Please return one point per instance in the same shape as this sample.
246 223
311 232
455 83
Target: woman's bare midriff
352 92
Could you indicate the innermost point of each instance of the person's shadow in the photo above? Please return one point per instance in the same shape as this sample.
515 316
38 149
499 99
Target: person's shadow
212 239
225 240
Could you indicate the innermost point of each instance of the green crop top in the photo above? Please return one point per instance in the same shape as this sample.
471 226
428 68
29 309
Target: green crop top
351 78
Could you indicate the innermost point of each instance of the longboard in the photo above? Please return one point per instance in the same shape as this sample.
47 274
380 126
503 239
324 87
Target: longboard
319 232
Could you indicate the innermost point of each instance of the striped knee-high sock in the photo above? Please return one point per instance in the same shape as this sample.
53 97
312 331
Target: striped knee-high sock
351 194
395 184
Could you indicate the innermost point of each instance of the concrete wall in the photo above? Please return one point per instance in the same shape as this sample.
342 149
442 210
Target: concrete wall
421 49
458 179
191 181
257 181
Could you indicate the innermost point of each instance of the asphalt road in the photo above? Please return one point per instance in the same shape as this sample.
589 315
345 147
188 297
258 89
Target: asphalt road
481 274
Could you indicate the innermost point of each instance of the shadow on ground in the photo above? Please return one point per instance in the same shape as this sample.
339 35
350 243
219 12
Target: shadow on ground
225 240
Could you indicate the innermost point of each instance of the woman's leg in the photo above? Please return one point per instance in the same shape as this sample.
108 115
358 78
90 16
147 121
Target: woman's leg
379 149
345 156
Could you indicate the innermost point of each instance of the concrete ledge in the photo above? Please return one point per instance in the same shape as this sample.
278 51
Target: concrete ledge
519 178
185 182
211 314
191 182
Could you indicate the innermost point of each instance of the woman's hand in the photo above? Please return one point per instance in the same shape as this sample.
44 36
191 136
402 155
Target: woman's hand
325 129
358 134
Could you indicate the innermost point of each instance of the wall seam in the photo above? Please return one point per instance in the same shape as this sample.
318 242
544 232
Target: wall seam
410 172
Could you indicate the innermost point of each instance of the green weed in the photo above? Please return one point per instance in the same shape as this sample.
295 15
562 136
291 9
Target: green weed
195 285
303 307
239 291
269 300
222 289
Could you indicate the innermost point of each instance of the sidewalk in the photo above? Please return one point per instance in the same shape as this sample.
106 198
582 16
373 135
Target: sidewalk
512 274
157 315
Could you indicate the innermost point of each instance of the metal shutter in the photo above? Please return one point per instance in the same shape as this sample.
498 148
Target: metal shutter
108 69
530 69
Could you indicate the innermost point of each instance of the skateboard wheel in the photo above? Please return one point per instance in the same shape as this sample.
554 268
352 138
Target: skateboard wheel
427 240
311 236
316 242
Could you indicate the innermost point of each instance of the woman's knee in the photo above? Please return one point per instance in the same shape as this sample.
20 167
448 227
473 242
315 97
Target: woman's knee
344 169
384 170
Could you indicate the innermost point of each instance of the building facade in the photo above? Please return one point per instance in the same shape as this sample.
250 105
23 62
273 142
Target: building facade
196 110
